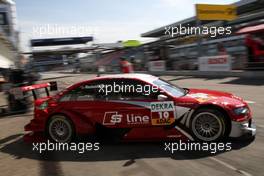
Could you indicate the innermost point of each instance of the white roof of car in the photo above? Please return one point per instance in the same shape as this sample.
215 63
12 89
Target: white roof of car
145 77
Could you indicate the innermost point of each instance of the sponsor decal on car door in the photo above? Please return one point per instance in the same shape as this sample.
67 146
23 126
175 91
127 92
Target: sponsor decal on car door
127 113
142 113
162 113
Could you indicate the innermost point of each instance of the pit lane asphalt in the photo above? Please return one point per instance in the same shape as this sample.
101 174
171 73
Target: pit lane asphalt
246 158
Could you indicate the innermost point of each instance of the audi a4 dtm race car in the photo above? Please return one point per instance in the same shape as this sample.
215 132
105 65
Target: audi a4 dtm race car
140 107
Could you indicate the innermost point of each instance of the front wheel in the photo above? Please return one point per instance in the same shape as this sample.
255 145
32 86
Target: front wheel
208 125
60 129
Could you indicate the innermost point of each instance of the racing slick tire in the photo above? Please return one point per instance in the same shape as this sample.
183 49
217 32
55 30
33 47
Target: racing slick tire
208 125
60 129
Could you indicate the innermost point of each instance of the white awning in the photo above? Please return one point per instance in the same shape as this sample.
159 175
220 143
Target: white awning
5 63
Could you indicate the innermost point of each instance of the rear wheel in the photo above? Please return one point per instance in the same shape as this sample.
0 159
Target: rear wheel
60 129
208 125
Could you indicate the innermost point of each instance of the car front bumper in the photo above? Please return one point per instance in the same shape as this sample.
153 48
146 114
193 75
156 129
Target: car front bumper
239 129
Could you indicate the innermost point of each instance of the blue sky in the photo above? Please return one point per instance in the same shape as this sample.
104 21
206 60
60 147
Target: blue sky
106 20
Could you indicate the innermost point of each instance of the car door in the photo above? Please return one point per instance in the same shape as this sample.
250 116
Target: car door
139 104
148 115
146 102
118 110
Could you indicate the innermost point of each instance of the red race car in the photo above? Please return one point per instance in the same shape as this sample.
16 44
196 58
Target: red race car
140 107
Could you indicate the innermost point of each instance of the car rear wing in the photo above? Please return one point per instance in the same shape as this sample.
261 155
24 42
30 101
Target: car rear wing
19 92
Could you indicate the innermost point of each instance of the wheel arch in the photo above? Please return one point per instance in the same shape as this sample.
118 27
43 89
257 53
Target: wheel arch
80 126
58 114
219 108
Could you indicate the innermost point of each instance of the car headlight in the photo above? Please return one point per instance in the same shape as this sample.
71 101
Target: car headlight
43 105
241 111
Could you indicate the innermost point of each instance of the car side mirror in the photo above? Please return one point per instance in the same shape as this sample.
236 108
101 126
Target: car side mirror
162 97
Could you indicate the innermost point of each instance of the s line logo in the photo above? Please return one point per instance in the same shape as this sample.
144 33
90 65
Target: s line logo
112 118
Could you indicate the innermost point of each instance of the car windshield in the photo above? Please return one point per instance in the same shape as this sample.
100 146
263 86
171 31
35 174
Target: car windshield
166 86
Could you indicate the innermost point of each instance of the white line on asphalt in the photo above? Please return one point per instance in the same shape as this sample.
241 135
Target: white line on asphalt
250 102
261 126
231 167
9 142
